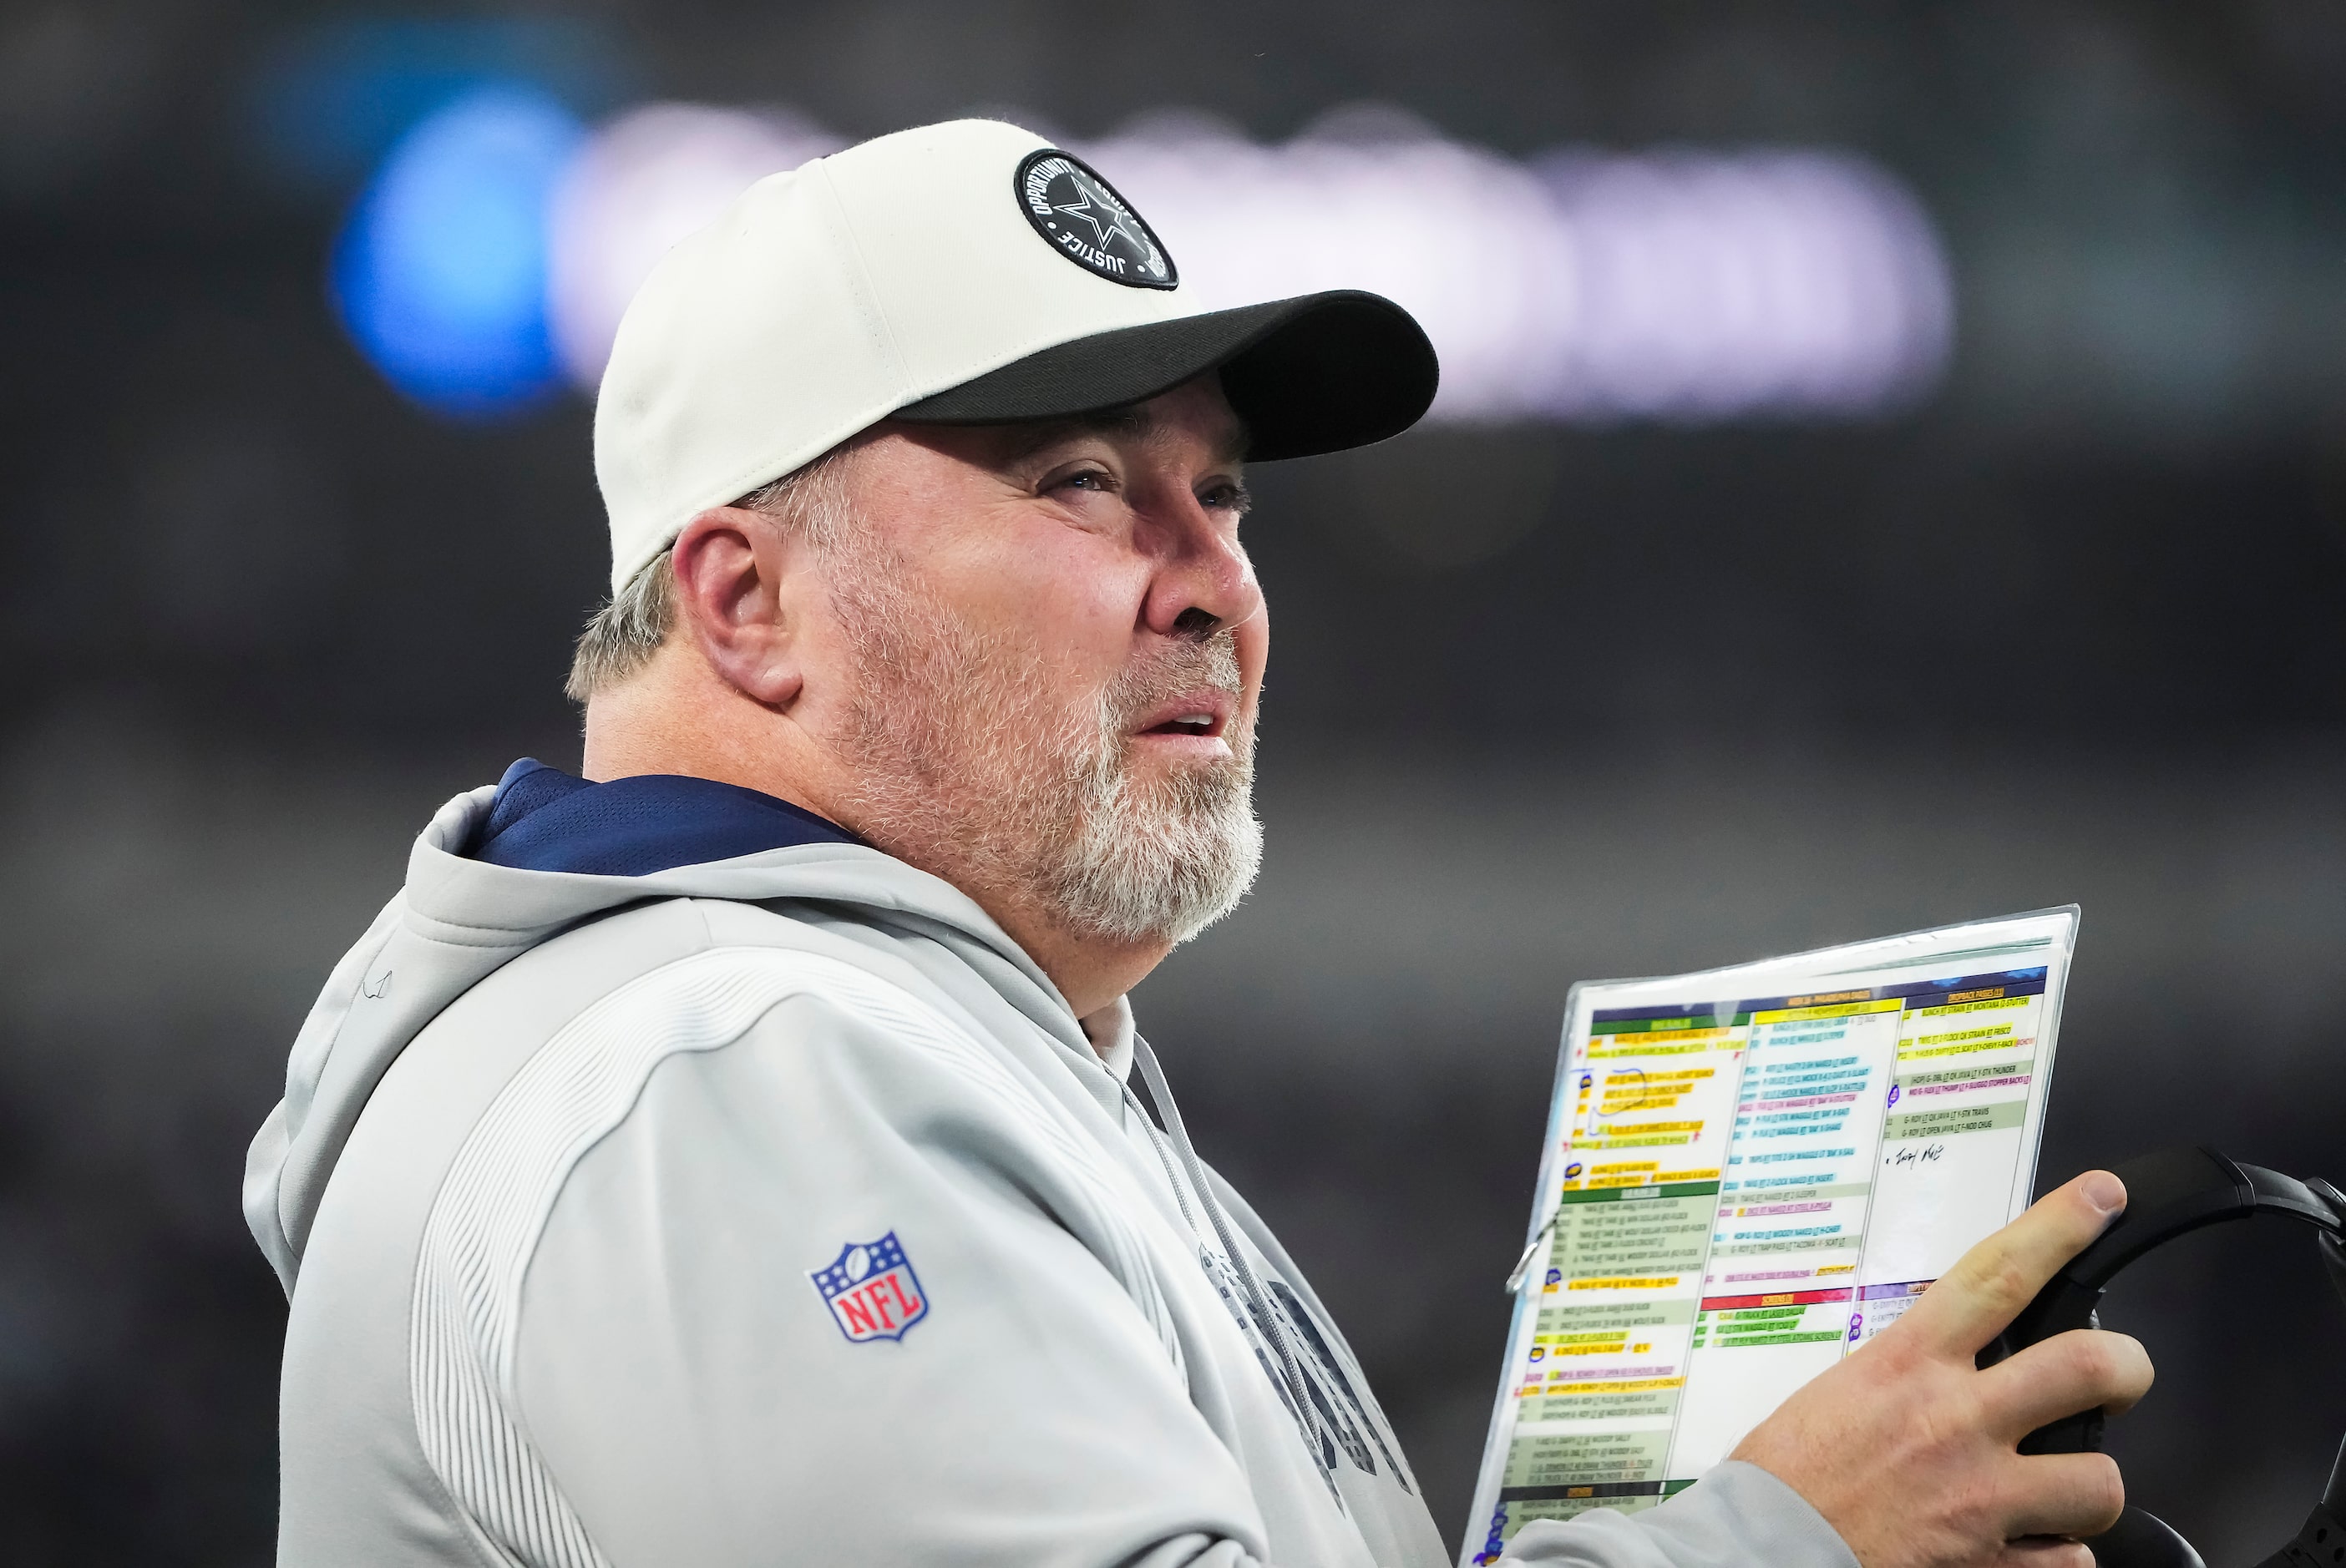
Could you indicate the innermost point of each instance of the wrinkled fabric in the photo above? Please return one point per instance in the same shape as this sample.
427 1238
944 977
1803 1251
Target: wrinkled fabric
778 1208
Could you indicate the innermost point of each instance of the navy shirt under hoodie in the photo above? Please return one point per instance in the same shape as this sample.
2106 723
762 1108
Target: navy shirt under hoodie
543 819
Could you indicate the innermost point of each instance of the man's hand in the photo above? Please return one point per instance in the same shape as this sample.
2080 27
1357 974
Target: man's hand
1909 1449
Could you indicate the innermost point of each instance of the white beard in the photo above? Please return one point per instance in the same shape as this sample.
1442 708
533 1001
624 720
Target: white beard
965 766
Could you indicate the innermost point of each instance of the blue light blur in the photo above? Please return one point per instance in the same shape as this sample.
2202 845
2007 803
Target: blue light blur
439 274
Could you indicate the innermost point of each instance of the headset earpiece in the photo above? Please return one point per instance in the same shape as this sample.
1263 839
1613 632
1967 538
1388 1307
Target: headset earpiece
2171 1194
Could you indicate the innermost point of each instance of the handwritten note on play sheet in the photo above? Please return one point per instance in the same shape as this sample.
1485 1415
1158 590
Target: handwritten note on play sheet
1748 1171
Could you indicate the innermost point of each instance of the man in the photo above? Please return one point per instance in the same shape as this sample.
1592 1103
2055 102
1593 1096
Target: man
734 1159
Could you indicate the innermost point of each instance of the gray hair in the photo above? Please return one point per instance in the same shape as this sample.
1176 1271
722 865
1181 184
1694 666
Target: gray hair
620 638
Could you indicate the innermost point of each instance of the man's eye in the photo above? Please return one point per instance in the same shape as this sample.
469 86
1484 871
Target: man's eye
1090 479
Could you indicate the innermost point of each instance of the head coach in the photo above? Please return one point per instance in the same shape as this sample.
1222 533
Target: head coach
737 1154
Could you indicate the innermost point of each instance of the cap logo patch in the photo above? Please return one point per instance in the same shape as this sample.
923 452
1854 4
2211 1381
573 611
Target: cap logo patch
1088 223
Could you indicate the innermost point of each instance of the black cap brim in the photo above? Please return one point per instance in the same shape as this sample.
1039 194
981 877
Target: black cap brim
1320 372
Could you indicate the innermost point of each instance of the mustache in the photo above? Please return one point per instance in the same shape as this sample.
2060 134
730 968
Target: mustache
1212 663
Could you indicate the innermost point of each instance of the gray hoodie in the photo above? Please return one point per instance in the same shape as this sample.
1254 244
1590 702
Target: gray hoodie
777 1209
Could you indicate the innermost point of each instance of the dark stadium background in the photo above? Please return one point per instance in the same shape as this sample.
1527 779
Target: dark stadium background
2074 629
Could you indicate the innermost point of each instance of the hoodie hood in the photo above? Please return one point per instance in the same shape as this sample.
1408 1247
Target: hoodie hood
459 919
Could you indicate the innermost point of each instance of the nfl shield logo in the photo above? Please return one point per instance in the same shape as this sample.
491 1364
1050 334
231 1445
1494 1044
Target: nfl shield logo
872 1290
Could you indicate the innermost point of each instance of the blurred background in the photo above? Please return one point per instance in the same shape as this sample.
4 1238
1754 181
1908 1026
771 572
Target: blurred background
1892 469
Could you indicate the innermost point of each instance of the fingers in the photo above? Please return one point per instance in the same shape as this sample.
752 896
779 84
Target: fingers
2064 1494
1973 1301
2086 1369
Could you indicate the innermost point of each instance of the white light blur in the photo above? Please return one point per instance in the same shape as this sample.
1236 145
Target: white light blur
1582 287
1470 243
1719 285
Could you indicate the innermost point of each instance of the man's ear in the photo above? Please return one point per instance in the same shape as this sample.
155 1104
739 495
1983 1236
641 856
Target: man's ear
732 583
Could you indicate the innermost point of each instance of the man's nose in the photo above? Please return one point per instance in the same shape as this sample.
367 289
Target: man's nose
1205 582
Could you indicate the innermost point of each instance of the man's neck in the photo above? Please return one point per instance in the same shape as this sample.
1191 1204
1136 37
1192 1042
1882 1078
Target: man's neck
1089 970
653 726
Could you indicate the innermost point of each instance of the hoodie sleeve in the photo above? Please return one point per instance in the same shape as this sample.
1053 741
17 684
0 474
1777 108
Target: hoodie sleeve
822 1294
1737 1516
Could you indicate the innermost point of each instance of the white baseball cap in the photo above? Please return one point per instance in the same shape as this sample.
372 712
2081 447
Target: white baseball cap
964 273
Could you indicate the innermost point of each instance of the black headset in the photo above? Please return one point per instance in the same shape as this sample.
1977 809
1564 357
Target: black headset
2168 1194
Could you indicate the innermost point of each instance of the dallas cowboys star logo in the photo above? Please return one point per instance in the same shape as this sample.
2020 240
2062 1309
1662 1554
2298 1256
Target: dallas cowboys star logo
1089 211
1085 221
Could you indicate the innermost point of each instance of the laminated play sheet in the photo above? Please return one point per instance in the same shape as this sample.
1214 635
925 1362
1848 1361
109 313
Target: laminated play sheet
1748 1171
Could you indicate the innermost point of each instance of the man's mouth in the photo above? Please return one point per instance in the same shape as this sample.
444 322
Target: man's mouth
1200 715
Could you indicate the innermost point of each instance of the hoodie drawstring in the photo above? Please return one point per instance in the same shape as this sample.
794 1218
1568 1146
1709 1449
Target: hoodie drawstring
1291 1371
